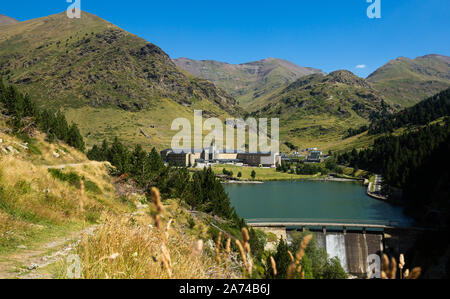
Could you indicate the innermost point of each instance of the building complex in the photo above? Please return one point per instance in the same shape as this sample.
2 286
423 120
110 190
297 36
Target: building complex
212 156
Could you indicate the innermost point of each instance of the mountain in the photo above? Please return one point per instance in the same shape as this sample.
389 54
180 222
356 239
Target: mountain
405 81
105 79
5 20
317 110
249 81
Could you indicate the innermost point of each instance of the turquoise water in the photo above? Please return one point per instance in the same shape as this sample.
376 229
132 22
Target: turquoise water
312 201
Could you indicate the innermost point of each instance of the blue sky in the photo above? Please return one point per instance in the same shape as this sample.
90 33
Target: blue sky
326 34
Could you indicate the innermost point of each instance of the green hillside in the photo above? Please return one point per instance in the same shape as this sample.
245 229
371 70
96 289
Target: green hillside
431 111
316 111
405 81
104 77
247 82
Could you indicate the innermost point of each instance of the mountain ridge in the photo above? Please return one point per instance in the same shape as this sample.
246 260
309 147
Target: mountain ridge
104 50
5 20
246 81
318 110
405 82
101 76
319 87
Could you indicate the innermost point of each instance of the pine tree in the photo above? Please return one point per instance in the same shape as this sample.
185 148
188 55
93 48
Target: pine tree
140 165
282 261
75 139
156 162
94 154
120 157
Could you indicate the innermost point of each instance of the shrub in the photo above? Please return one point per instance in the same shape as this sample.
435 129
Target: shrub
72 178
90 186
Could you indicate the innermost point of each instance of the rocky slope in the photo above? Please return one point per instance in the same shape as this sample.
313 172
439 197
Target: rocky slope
109 81
90 61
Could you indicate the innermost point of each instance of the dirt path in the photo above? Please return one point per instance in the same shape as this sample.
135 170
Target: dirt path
62 166
26 263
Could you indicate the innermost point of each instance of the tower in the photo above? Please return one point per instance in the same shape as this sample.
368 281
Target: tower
213 150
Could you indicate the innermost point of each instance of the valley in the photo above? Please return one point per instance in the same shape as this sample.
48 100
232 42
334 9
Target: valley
132 85
86 116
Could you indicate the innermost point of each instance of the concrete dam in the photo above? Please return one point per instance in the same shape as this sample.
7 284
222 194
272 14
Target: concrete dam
352 246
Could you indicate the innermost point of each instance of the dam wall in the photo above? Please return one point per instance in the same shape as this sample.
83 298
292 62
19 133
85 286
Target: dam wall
351 245
352 248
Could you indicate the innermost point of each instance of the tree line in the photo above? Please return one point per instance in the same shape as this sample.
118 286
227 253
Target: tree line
353 132
415 161
25 113
302 168
420 114
396 157
202 192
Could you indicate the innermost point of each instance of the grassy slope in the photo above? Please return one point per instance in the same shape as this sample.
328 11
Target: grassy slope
364 140
316 111
91 65
97 124
35 206
406 82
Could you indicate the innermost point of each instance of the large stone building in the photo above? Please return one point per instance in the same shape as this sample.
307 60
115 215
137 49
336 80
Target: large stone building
260 159
211 155
315 157
181 159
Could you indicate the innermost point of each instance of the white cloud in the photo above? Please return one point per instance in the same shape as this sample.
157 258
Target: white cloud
361 66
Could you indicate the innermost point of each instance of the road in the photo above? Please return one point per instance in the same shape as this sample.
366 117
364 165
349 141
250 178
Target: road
374 189
377 183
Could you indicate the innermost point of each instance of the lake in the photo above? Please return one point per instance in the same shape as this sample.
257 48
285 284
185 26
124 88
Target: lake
312 201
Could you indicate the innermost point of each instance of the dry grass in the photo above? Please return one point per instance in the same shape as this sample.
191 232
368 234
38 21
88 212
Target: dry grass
32 194
157 243
45 156
391 269
32 190
295 266
11 229
122 249
31 200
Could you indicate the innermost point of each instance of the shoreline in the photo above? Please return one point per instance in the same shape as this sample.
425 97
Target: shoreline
370 194
331 179
242 182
